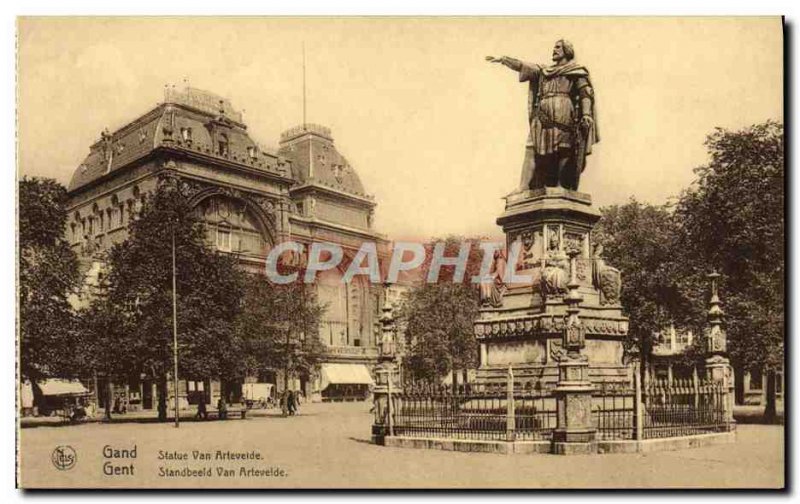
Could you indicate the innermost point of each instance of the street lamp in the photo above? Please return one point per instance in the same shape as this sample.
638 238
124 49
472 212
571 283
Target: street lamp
175 330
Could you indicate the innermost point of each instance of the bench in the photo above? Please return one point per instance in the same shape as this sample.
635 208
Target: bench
235 411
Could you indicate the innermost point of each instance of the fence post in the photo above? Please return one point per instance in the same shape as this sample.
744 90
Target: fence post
637 385
511 433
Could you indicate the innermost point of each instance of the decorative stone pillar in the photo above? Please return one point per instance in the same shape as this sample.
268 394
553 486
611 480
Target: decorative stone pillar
388 378
718 366
575 431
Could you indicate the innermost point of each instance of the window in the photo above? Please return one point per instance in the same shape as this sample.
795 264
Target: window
111 215
300 208
194 386
224 239
756 380
121 216
252 153
222 146
186 134
91 226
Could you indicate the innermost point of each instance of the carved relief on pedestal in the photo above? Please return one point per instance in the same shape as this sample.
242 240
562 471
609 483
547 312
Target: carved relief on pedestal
583 270
573 243
554 277
529 256
605 278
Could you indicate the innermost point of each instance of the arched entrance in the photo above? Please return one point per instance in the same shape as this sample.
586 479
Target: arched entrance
235 225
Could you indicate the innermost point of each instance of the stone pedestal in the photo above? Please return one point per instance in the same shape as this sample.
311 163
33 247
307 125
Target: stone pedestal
384 400
575 433
719 370
525 329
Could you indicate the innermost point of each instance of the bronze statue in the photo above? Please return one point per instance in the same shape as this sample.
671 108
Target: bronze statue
561 113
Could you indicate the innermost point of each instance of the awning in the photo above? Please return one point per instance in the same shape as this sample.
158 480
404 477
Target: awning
57 386
257 391
343 374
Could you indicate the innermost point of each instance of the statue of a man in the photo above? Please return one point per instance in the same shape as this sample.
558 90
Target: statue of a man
562 118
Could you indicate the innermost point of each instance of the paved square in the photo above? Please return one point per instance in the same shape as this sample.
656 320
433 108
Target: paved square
328 446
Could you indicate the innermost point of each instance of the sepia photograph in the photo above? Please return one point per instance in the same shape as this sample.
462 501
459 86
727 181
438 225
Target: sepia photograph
400 253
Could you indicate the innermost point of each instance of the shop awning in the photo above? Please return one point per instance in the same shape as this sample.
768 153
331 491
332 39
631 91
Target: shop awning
57 386
344 374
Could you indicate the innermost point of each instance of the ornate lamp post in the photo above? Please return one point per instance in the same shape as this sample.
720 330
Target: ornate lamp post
716 339
575 431
718 365
387 372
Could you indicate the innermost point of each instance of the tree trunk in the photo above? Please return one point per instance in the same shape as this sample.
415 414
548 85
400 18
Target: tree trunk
162 399
109 398
770 413
739 384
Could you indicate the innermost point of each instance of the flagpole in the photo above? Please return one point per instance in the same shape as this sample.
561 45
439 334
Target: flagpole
175 330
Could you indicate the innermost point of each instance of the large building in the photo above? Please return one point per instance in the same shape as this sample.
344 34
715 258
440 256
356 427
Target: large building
251 199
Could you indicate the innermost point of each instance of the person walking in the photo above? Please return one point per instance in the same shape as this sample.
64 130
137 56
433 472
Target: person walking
202 413
290 401
222 409
285 402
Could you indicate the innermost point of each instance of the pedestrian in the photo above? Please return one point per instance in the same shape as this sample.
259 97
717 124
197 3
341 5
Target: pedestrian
290 402
298 395
201 408
222 408
284 402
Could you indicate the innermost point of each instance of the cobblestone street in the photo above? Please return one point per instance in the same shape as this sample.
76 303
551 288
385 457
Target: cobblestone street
328 445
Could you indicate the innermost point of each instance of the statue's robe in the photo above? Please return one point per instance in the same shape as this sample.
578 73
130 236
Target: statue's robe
553 111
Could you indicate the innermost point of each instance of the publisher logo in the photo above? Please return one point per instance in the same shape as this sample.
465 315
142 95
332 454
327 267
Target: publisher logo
64 457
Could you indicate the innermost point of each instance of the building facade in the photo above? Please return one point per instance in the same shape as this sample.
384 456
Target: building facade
250 199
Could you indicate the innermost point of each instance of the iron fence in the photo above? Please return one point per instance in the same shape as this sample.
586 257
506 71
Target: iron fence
423 410
535 414
614 411
473 412
495 412
683 408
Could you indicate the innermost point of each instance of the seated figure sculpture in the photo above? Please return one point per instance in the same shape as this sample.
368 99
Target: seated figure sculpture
555 278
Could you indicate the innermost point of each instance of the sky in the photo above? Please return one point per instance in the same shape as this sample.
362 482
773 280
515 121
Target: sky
435 132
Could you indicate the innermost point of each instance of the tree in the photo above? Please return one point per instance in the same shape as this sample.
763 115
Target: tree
279 327
100 343
48 274
438 317
732 220
139 291
639 239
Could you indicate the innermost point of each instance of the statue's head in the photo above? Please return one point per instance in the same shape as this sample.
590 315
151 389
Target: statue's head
563 50
554 241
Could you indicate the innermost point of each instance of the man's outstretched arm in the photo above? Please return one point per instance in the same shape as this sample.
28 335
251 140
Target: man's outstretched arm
511 63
